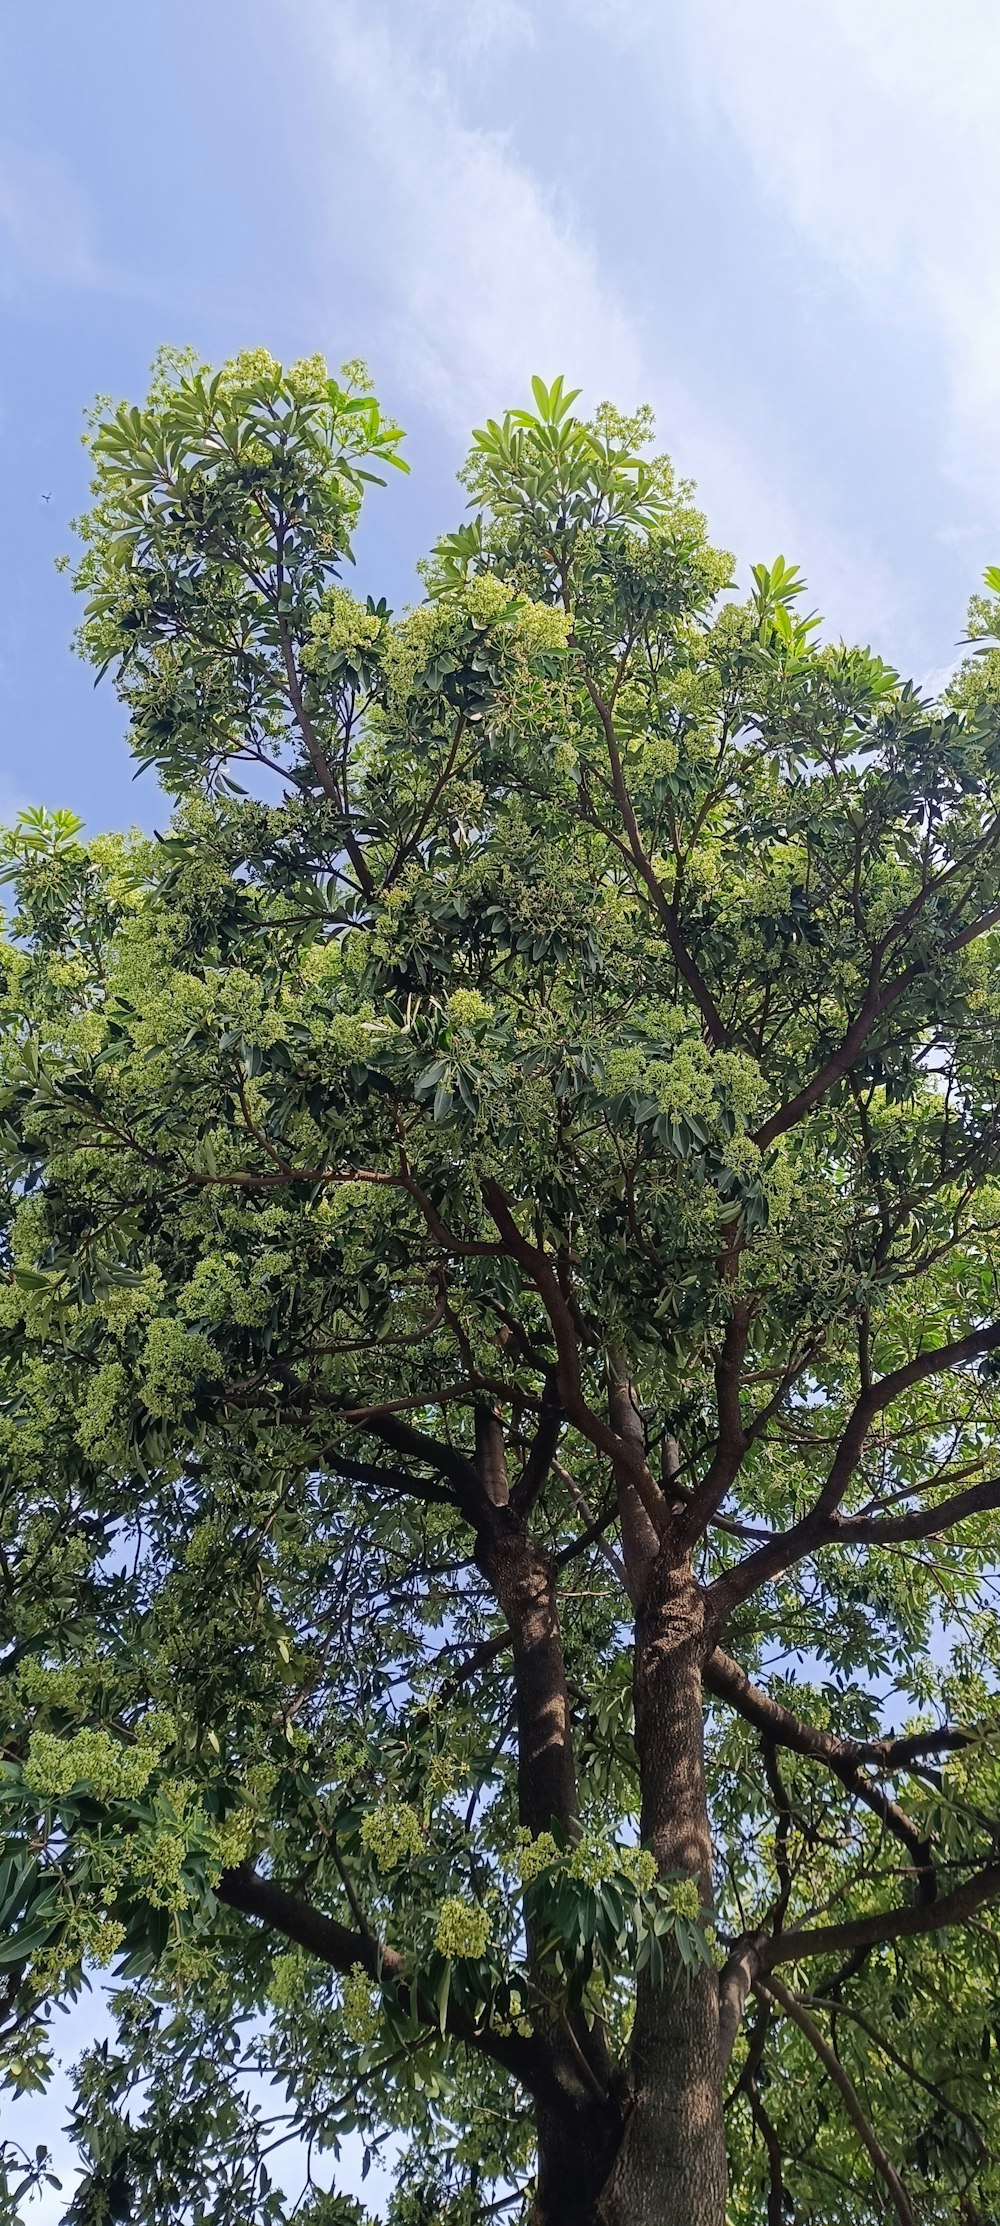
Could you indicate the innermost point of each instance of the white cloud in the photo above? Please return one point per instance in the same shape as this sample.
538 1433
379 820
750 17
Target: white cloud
484 27
485 273
873 126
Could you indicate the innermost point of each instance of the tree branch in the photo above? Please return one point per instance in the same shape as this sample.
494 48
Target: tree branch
335 1944
689 972
390 1479
538 1266
318 760
822 1525
877 1002
924 1522
727 1681
834 2069
731 1441
901 1923
543 1450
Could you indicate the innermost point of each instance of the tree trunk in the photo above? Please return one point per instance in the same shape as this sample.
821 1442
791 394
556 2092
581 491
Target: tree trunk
653 2155
520 1573
670 2168
576 2152
579 2118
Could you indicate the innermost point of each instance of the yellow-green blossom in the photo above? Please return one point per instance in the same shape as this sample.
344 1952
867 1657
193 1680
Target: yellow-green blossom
362 2008
393 1834
93 1759
463 1929
683 1896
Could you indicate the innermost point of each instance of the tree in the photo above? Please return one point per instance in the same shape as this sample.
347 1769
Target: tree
501 1268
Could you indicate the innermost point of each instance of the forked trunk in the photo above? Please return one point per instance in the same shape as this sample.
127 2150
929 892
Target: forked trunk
648 2152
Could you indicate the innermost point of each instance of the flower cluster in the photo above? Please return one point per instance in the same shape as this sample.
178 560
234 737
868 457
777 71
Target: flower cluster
638 1865
361 2006
592 1859
89 1758
534 1856
683 1896
289 1976
393 1834
342 626
467 1009
463 1929
173 1361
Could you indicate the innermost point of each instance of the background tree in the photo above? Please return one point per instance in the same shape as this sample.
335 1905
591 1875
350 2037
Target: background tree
501 1233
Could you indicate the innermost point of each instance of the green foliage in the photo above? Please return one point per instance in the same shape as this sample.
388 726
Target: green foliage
565 889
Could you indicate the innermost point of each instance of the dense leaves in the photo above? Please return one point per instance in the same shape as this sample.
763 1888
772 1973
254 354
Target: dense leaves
566 1066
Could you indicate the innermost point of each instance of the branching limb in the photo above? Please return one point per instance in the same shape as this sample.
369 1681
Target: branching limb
538 1265
777 2197
938 2095
879 999
665 911
731 1441
335 1944
823 1525
876 1930
780 1728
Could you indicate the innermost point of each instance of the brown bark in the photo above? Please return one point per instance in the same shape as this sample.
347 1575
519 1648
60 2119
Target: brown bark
671 2162
641 2149
579 2119
521 1576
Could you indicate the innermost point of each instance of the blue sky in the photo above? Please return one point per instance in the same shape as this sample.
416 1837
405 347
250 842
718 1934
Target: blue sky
775 222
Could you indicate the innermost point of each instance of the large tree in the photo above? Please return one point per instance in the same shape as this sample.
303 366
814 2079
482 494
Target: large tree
500 1343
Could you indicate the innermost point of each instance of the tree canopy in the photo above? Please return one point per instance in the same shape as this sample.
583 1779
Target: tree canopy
500 1202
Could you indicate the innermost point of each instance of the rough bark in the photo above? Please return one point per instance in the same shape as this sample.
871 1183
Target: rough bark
652 2151
577 2146
671 2163
521 1576
579 2120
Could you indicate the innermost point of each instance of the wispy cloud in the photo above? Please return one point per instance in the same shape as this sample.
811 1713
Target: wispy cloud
874 130
484 272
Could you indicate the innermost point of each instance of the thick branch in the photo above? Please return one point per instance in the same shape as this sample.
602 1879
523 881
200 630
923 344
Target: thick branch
906 1923
735 1981
640 1536
539 1267
244 1889
731 1440
879 999
522 1579
418 1445
390 1479
543 1450
927 1522
822 1525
